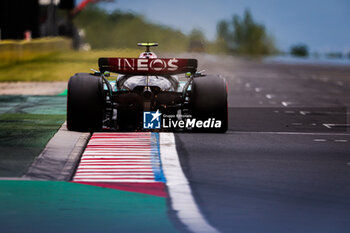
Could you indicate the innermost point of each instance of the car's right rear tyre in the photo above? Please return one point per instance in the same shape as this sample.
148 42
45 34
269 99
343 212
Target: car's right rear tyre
209 101
85 103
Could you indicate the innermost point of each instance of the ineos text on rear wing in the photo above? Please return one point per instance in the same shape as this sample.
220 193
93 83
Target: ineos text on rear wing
144 66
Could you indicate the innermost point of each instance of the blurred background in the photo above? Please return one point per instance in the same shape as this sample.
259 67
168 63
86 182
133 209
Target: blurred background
61 37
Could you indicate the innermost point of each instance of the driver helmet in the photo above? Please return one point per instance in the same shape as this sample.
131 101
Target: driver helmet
148 55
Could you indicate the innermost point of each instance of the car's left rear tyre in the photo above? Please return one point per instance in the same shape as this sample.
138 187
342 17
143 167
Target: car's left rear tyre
85 103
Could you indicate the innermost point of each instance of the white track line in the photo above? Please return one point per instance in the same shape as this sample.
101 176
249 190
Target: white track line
181 198
341 140
320 140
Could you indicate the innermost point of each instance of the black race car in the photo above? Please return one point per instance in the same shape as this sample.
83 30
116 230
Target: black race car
147 84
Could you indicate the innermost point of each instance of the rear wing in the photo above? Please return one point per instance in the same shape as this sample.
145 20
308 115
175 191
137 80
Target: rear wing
144 66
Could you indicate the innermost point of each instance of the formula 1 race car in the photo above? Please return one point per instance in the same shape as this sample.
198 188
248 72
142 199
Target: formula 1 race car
143 85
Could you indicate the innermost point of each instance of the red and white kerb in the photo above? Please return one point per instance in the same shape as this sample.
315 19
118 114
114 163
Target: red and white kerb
119 157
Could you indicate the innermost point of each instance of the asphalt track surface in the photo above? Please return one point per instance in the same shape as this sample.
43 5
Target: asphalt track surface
284 164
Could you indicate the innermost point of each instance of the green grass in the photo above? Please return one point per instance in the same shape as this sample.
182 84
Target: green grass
26 125
58 66
22 138
52 207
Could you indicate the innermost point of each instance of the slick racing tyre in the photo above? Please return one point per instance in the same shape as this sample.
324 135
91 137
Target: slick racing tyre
85 101
209 101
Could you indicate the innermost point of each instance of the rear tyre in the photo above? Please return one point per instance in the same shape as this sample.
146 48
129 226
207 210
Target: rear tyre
85 101
209 101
